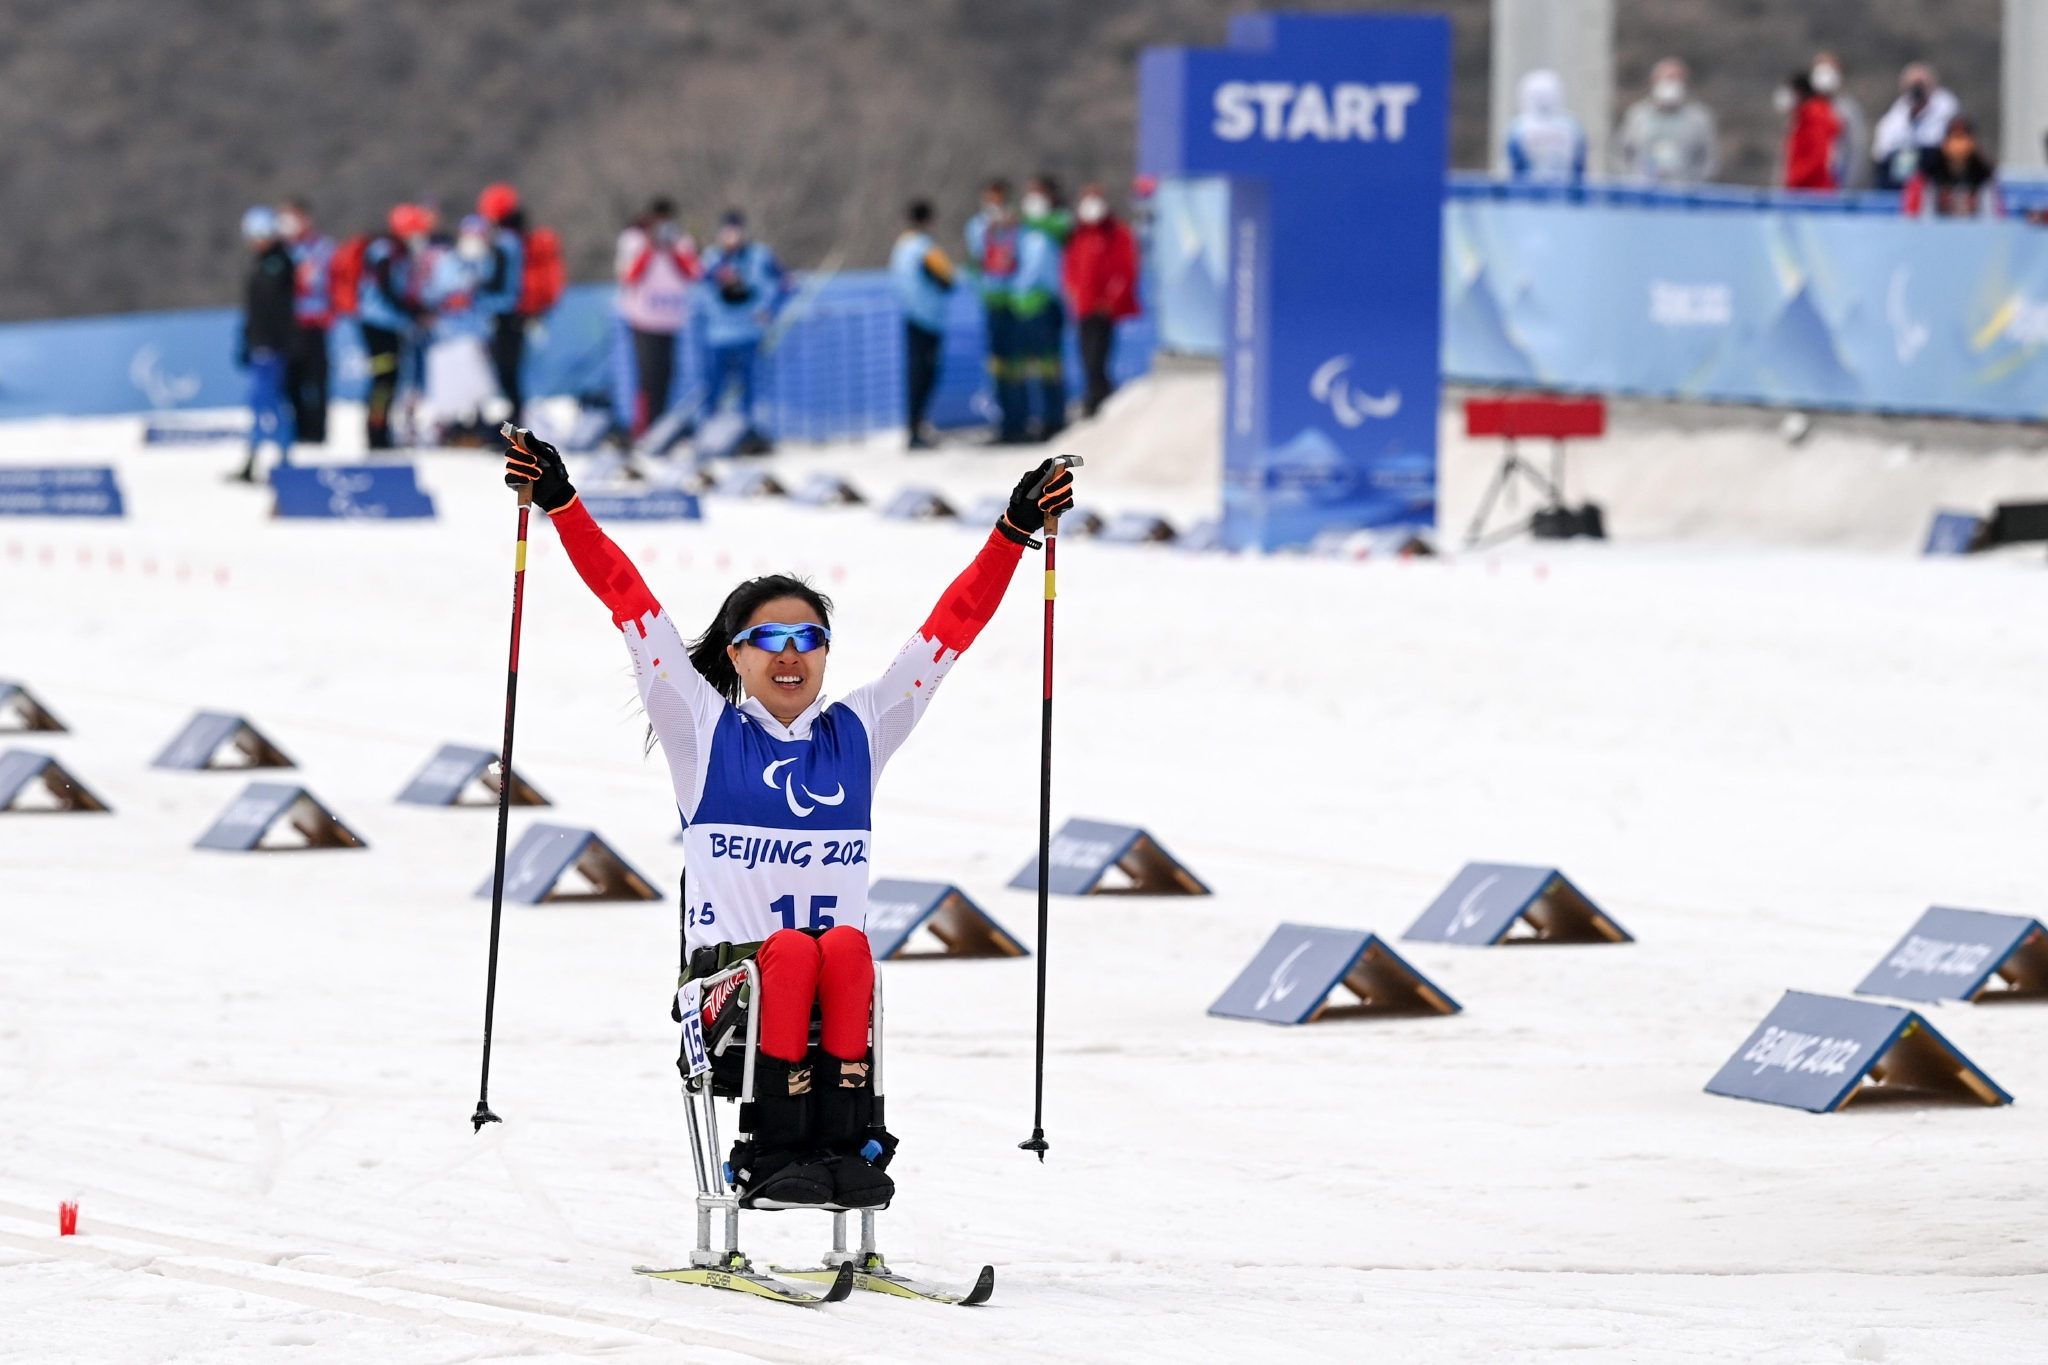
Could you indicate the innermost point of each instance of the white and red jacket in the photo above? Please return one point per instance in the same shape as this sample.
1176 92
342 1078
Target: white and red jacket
777 831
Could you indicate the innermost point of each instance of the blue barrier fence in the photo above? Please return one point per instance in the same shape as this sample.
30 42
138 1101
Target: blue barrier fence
836 373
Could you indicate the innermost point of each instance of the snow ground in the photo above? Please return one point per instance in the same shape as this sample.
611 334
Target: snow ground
255 1072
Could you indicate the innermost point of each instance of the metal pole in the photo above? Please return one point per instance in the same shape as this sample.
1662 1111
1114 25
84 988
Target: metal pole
483 1114
1036 1142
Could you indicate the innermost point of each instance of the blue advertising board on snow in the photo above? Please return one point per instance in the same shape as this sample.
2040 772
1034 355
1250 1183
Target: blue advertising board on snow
1332 131
259 809
1486 901
897 909
450 773
547 853
59 491
1815 1052
23 769
1092 858
1291 979
666 504
1953 955
205 741
371 492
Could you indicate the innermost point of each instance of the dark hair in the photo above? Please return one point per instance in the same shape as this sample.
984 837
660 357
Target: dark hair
1802 85
997 185
661 206
1961 123
707 651
920 211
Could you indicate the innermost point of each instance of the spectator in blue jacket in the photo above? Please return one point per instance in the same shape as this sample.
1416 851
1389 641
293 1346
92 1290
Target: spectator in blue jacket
1035 300
387 306
312 253
992 259
742 290
924 278
267 325
504 280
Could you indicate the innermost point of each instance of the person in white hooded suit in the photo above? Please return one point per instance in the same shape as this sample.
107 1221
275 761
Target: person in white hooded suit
1544 141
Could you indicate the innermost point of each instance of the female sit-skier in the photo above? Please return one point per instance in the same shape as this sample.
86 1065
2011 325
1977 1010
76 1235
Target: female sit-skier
775 788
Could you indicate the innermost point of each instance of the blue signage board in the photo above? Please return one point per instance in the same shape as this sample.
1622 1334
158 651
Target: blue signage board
1812 1052
59 491
207 733
1487 900
1333 133
450 771
1292 977
546 852
1953 533
1084 852
897 909
356 492
917 504
1950 955
20 768
667 504
19 710
261 805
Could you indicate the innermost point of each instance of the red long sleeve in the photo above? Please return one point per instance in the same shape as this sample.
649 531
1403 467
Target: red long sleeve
1809 151
971 599
602 565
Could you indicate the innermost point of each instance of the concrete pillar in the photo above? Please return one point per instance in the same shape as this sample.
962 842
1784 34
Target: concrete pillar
2023 88
1574 38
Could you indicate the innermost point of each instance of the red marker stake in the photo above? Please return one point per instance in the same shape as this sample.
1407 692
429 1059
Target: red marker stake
67 1219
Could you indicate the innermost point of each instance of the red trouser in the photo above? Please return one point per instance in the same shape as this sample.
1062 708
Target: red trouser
837 970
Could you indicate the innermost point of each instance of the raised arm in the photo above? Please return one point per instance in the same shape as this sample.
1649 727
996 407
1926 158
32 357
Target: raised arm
891 706
681 706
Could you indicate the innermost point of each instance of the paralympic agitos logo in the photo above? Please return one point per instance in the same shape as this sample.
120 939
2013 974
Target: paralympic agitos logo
790 787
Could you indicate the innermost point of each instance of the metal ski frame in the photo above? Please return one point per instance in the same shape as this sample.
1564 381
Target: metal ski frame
727 1267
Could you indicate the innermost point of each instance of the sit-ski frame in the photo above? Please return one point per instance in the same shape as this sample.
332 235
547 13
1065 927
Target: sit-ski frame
730 1268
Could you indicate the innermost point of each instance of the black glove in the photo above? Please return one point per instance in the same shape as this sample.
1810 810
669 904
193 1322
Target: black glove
532 460
1030 504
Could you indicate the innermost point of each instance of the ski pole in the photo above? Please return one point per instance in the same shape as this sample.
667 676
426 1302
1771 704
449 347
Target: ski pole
483 1114
1036 1142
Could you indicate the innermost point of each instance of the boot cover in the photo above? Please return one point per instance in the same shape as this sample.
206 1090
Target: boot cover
855 1145
768 1166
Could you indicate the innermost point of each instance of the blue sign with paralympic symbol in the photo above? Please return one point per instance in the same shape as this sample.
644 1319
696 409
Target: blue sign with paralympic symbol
374 492
1333 132
1291 979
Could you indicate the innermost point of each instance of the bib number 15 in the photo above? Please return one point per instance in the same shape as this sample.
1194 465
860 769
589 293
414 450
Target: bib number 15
785 906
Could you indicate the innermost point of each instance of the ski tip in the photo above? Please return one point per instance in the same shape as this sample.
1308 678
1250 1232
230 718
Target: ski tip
842 1284
984 1287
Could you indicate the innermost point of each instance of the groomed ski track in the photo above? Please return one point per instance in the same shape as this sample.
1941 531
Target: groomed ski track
254 1072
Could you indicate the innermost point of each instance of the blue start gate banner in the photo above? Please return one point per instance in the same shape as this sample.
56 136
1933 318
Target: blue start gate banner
1769 306
59 491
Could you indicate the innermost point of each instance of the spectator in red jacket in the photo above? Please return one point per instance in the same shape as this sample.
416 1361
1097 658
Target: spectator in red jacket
1810 137
1101 278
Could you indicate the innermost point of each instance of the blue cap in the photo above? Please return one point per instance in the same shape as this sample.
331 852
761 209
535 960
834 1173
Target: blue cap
259 224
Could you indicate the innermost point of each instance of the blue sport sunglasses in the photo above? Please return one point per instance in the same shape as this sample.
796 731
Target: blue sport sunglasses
775 637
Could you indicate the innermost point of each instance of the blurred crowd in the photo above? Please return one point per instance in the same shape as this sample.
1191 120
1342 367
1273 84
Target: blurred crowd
444 319
445 316
1923 146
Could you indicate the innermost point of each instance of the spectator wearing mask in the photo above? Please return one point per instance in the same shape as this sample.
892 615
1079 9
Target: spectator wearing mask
305 376
1035 300
1851 166
497 292
1544 142
1810 133
1101 276
742 290
1667 139
1917 120
388 307
461 393
1954 180
992 256
924 279
656 264
268 325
